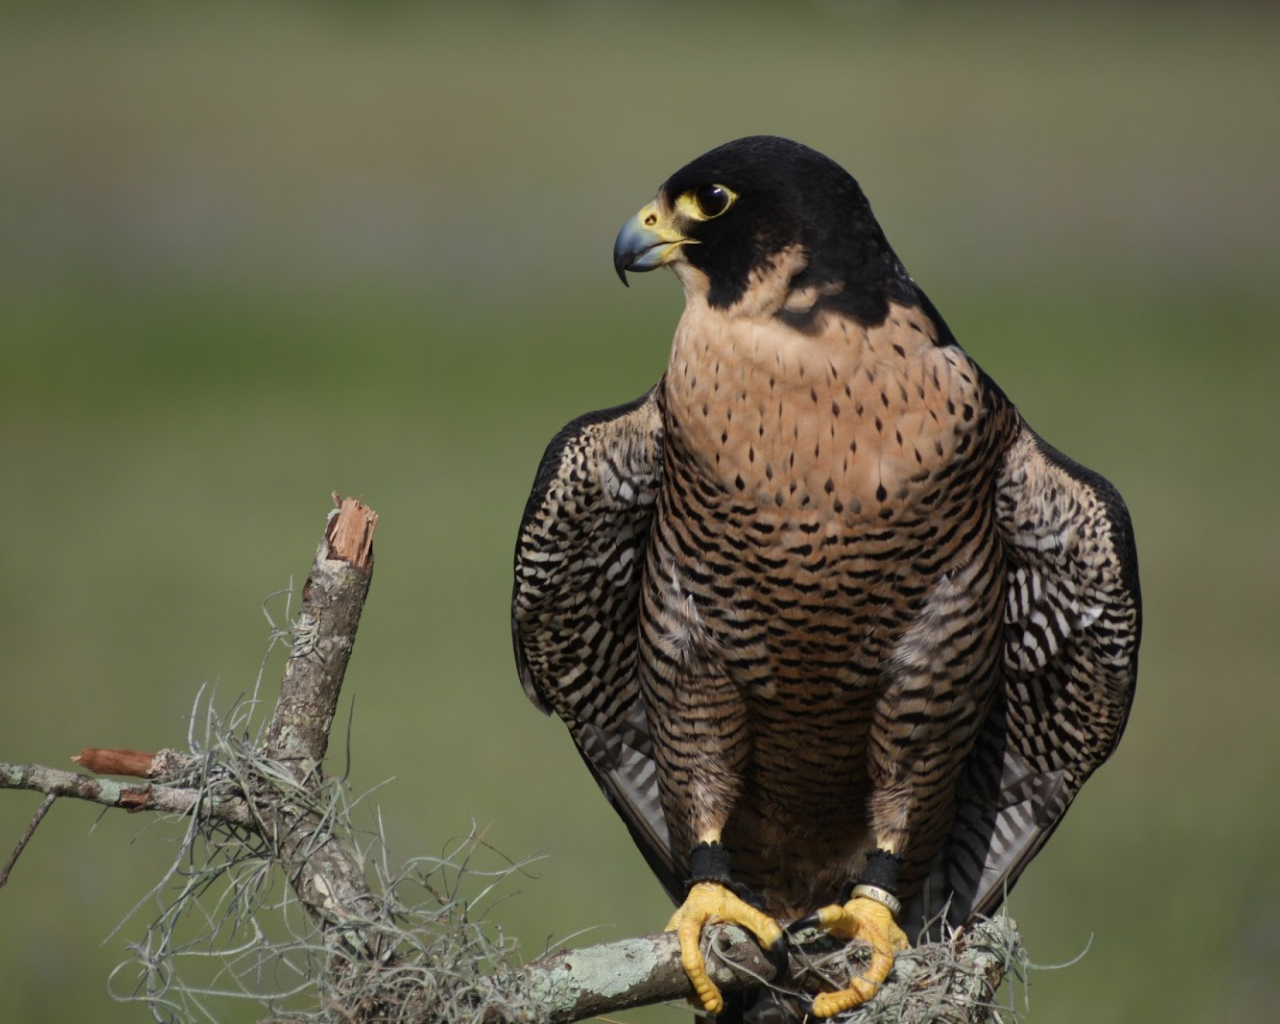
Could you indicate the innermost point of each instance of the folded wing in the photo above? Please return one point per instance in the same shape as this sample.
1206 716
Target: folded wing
574 609
1073 620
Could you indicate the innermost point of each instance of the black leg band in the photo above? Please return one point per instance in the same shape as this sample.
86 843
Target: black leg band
881 871
708 862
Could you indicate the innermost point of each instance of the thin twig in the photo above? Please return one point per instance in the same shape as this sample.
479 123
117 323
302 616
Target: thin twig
26 837
132 796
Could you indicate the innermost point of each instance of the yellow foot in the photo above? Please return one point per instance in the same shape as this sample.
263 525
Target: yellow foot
870 921
707 903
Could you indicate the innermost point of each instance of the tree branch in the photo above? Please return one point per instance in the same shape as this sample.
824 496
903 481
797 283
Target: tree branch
324 635
368 966
131 796
326 875
942 982
38 817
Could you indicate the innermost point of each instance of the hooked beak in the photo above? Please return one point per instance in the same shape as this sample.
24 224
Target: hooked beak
647 241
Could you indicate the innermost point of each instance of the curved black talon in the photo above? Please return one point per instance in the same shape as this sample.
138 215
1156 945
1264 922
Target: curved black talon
780 956
801 923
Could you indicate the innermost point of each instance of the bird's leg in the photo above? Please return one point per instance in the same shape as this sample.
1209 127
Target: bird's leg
710 901
868 915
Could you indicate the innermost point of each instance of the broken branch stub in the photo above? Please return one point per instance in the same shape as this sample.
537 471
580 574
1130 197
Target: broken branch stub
324 635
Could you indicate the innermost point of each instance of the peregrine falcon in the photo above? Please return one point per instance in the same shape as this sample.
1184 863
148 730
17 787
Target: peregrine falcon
837 633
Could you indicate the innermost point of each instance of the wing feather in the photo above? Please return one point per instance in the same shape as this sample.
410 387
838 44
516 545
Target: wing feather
1073 621
575 604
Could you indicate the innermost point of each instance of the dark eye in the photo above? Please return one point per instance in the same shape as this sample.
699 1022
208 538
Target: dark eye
713 200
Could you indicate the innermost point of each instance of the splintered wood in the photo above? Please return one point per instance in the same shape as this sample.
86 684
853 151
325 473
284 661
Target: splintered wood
165 766
351 533
116 762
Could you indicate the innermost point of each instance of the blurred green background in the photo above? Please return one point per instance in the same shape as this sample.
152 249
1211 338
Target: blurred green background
253 254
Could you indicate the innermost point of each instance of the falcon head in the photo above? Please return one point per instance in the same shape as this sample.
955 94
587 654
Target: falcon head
761 219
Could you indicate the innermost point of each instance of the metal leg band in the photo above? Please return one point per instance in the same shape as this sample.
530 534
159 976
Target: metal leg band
874 892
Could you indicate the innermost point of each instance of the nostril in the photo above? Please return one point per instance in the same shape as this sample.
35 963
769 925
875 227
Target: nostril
651 220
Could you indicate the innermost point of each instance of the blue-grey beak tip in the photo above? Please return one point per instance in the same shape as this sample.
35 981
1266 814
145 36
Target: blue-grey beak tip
625 251
636 248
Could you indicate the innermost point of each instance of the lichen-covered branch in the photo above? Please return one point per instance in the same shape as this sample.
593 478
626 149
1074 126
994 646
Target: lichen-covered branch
947 982
326 874
324 635
132 796
583 983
